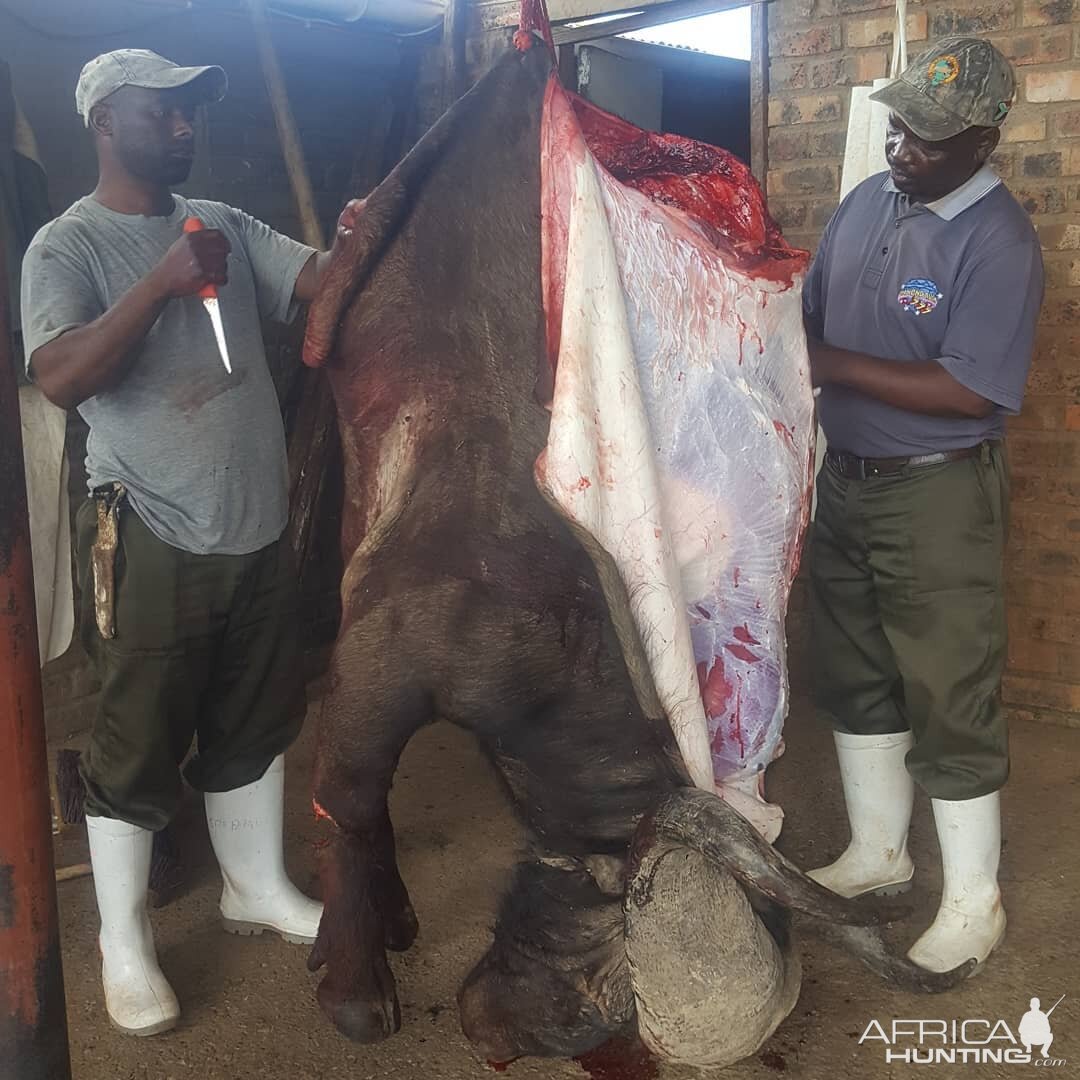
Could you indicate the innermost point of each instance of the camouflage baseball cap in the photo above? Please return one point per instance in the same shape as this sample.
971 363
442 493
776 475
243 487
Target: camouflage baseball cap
105 74
957 84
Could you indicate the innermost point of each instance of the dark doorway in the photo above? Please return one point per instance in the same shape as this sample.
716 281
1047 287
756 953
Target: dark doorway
667 87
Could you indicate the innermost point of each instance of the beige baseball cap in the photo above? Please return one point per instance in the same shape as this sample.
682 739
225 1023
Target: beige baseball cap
105 74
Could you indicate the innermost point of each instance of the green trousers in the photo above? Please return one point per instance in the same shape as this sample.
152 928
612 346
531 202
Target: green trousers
908 611
206 649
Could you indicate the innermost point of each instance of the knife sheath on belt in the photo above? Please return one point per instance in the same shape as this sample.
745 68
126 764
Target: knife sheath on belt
103 560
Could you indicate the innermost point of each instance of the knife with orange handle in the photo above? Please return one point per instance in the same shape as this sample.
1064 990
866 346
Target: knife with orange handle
209 296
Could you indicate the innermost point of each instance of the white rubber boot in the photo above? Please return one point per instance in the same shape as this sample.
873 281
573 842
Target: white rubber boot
138 997
878 793
971 921
246 831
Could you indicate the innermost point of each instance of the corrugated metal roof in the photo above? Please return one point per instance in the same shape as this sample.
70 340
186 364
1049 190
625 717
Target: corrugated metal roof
722 33
647 37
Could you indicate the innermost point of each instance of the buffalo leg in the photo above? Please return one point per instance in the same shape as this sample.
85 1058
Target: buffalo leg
366 903
400 925
554 982
358 991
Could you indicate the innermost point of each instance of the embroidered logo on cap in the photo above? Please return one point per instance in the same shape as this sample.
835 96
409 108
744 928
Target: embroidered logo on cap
943 70
919 296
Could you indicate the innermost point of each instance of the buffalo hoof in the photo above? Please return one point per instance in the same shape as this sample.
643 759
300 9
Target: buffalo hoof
485 1023
400 929
363 1020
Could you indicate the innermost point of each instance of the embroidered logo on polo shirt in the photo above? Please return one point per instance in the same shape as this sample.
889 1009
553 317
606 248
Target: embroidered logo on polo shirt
919 296
943 70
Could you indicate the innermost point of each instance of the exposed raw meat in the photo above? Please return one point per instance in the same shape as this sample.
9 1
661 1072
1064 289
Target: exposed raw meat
682 419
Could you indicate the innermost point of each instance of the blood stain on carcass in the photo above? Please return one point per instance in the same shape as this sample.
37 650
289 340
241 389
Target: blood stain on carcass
738 571
703 612
619 1059
783 429
742 633
741 652
736 720
716 690
584 483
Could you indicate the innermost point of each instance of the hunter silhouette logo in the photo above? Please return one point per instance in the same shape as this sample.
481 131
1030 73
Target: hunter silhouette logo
1034 1027
968 1042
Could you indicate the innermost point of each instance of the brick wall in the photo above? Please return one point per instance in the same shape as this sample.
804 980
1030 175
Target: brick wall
818 49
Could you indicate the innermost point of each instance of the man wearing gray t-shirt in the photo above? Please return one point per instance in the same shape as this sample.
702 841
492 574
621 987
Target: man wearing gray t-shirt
920 309
189 596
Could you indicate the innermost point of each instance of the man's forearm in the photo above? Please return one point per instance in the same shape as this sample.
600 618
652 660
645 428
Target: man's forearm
919 386
92 358
307 283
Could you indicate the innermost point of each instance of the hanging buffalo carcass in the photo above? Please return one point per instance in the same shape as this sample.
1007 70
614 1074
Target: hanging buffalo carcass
572 390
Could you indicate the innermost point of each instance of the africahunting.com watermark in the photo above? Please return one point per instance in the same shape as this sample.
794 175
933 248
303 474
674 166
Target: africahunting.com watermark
974 1041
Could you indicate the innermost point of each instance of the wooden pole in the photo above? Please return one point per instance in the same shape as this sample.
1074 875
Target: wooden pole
33 1022
314 431
759 92
291 147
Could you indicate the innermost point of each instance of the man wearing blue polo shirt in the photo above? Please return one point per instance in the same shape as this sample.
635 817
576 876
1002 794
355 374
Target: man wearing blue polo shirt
920 310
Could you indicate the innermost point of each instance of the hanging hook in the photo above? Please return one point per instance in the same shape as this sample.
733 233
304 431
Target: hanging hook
534 18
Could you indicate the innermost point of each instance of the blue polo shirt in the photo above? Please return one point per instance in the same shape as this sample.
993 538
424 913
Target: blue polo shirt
959 281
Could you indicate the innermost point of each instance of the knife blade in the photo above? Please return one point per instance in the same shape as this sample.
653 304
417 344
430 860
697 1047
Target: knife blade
209 296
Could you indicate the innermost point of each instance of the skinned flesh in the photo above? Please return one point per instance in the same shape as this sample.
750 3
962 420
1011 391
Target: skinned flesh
682 422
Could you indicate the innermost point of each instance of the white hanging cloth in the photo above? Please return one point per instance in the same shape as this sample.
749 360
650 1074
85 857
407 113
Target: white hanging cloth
864 153
44 428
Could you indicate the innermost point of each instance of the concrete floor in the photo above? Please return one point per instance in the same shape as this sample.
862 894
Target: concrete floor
249 1008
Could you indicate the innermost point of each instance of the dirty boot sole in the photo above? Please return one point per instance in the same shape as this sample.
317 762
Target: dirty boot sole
981 965
253 929
897 888
891 888
143 1032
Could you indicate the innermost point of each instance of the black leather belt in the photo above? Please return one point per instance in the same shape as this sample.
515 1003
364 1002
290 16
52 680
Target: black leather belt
851 467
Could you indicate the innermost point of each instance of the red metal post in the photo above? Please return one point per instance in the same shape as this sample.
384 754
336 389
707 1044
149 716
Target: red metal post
33 1021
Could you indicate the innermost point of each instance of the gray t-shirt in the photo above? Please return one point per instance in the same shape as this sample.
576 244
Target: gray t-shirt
201 452
959 281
